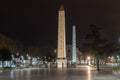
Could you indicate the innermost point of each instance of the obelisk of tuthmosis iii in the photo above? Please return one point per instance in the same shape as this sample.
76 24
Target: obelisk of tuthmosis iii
61 49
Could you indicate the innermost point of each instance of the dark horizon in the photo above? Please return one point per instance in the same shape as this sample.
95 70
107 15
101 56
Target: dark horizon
36 22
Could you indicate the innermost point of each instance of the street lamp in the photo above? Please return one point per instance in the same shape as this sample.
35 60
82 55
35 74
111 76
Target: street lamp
88 58
118 59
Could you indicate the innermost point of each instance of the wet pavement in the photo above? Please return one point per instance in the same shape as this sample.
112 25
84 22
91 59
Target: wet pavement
105 75
80 73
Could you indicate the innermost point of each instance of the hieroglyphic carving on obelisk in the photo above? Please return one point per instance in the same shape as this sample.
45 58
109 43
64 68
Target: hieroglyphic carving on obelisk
61 50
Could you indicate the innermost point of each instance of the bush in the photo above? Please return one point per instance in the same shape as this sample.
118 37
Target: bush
116 68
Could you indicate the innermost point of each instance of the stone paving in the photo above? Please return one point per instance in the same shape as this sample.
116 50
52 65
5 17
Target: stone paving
80 73
104 75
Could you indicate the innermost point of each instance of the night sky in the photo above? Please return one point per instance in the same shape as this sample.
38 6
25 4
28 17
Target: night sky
35 22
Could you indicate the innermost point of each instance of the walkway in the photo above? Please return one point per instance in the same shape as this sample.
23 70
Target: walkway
104 75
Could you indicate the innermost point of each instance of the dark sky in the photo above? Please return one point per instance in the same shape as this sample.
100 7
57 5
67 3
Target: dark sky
34 22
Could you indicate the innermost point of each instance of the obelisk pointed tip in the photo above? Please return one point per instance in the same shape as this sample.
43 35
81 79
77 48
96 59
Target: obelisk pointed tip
73 25
61 8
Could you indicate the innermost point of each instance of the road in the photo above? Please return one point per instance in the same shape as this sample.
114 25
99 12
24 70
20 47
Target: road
81 73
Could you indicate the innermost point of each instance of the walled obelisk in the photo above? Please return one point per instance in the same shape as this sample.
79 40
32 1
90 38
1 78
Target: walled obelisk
74 46
61 49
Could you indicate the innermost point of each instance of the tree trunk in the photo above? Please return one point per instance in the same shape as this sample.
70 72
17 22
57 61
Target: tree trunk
2 64
94 61
98 68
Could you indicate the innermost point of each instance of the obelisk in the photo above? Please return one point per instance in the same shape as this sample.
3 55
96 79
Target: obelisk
74 46
61 49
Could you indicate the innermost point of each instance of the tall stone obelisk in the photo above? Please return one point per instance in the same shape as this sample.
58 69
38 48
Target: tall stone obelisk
61 50
74 46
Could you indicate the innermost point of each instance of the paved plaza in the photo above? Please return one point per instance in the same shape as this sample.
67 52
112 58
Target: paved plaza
80 73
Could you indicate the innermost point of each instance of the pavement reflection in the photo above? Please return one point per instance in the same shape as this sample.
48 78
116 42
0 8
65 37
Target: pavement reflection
89 73
80 73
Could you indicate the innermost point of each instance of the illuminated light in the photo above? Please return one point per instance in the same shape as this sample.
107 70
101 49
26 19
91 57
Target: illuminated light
88 58
117 56
24 61
22 57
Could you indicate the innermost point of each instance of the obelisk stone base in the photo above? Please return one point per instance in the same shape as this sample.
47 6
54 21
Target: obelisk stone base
62 63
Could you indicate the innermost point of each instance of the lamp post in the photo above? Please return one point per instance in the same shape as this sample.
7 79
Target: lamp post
45 59
118 60
88 60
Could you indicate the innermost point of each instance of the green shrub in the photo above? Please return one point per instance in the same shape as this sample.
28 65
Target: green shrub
116 68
